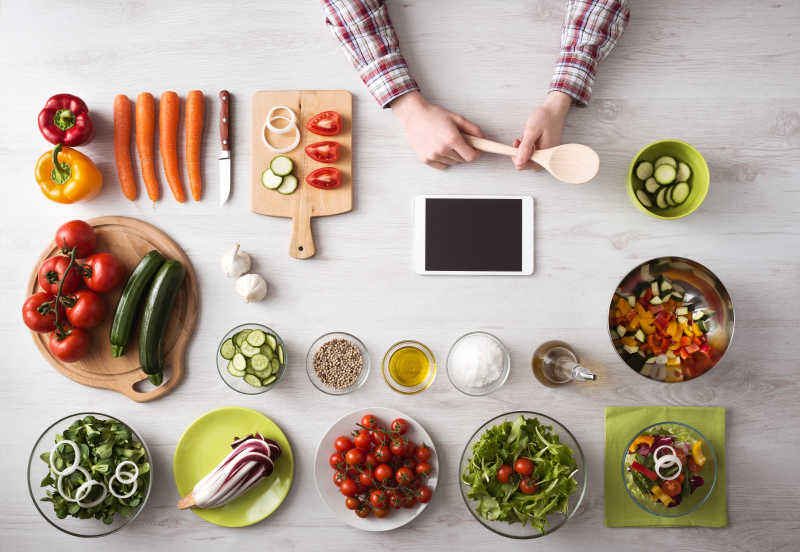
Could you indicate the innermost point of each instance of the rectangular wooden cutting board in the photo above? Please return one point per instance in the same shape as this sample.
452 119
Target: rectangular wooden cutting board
307 201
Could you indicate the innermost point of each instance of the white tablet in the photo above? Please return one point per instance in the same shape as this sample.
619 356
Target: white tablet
473 235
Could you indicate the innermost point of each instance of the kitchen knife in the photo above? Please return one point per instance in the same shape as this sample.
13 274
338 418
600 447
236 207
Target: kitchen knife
225 153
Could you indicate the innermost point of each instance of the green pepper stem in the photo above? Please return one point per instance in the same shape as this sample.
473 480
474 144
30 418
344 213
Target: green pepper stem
61 171
64 119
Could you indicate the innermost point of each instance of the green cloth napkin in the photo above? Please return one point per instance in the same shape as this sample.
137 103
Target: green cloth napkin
622 422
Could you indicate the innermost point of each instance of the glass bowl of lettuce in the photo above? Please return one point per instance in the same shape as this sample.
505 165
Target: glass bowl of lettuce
554 489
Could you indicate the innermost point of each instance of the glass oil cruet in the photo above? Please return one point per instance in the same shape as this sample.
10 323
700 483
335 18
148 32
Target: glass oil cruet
555 363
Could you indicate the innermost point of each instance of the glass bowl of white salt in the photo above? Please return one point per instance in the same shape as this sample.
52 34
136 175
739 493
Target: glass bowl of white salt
478 364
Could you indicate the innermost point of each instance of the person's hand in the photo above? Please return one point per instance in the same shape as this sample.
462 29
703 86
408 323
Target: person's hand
542 129
434 133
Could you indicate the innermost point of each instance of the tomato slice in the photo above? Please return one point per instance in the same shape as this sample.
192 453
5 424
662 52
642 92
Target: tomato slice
325 178
327 123
324 152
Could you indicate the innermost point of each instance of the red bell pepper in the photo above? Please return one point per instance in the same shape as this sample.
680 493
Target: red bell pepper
662 320
648 473
65 120
705 349
692 348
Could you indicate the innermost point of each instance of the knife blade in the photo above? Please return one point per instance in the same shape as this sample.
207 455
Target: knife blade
225 152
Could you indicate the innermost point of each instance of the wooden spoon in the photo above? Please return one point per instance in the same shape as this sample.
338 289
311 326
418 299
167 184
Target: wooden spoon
570 163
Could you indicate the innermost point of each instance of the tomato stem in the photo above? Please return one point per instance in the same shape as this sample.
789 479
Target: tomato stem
61 331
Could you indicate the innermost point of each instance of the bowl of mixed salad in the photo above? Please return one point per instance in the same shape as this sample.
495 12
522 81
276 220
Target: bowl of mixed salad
671 319
669 469
522 475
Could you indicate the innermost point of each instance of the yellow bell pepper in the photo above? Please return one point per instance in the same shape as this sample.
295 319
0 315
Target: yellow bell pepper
640 309
633 325
66 175
630 341
661 495
623 306
696 329
647 326
697 453
648 439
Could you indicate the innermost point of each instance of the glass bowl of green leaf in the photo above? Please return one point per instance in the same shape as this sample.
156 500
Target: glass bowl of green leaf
522 475
102 490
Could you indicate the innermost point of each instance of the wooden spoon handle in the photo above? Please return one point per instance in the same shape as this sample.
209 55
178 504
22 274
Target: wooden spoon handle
482 144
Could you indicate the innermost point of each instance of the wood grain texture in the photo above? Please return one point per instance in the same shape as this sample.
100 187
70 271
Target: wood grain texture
719 75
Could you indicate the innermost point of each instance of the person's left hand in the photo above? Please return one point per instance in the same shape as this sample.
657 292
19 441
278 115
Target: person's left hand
542 129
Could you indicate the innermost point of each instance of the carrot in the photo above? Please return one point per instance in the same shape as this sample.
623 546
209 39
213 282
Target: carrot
169 107
122 146
195 116
145 135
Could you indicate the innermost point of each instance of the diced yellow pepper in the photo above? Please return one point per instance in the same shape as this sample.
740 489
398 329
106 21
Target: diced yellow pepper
661 495
674 361
687 330
697 453
623 306
640 309
696 329
648 439
634 324
629 340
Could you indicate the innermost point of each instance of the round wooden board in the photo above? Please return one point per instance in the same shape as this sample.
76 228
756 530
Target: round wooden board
128 239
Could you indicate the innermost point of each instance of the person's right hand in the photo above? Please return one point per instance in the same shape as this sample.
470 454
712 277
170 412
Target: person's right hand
434 133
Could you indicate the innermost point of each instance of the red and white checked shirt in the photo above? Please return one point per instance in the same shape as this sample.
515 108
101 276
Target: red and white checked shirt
591 30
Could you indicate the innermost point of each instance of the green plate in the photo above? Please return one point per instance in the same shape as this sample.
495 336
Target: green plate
207 441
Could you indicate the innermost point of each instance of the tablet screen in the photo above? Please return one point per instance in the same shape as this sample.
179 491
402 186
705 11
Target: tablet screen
473 234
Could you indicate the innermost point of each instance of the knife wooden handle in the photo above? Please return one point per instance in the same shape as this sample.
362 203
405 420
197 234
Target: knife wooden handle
225 119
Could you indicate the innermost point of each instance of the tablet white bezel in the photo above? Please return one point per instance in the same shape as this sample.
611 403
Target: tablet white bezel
527 236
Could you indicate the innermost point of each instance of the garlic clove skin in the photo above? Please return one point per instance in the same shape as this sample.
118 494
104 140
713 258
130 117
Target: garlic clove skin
251 287
234 263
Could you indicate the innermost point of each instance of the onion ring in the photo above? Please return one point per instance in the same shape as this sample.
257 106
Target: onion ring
655 452
280 150
130 477
113 492
61 491
668 461
75 463
280 130
292 116
89 484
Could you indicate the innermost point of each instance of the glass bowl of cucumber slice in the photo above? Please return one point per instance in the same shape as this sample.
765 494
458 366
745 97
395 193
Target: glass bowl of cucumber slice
251 359
668 179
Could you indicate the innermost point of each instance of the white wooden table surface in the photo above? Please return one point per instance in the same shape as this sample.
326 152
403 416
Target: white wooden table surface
722 77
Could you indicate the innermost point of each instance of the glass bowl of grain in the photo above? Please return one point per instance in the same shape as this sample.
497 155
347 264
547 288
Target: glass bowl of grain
337 363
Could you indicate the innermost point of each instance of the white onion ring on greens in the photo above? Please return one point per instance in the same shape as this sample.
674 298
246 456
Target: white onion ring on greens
113 492
287 149
88 485
75 463
672 451
668 461
77 495
129 477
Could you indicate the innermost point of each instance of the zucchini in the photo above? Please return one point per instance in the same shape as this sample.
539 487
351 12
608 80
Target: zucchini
661 201
639 335
281 165
666 160
665 174
288 185
643 198
621 330
157 308
644 170
270 180
651 185
128 305
680 192
684 172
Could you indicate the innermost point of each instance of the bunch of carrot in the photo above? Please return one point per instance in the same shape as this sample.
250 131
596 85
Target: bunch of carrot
168 121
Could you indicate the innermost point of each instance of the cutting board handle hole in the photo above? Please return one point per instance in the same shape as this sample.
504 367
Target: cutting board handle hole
300 248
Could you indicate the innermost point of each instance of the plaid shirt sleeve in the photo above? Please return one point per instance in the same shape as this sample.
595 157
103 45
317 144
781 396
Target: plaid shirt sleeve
366 34
591 30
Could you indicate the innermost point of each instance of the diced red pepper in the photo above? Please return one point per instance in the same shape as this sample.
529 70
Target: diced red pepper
685 341
645 299
692 348
648 473
683 354
705 349
656 308
662 320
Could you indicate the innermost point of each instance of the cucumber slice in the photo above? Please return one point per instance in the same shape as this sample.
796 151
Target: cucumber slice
228 349
661 202
268 381
270 180
655 300
252 380
643 198
281 358
239 362
644 170
267 351
666 160
704 325
666 285
289 185
680 193
233 371
274 365
654 288
668 195
248 350
631 349
651 185
240 337
281 165
665 174
681 311
621 330
260 363
639 335
698 315
684 172
256 338
271 341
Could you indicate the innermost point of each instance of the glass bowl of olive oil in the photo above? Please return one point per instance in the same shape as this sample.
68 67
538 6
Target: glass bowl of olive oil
409 367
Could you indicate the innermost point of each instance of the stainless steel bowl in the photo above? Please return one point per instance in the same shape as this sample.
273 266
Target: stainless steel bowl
702 288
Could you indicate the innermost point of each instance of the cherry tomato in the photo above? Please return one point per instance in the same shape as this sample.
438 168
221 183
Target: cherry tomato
383 454
363 510
324 178
693 466
343 444
395 502
404 476
411 449
378 437
77 234
71 348
371 460
324 152
336 460
339 477
424 495
409 463
348 487
504 473
380 512
327 123
383 472
423 453
398 447
370 421
523 466
354 457
37 316
103 272
423 469
408 500
378 498
365 478
352 503
672 488
362 440
399 426
52 271
88 309
527 485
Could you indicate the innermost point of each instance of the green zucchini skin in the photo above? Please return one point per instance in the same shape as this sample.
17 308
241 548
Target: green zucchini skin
155 317
131 298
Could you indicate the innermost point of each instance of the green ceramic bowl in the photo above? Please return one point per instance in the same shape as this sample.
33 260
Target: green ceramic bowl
699 181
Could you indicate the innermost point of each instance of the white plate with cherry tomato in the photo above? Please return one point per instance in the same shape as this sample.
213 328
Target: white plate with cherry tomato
376 469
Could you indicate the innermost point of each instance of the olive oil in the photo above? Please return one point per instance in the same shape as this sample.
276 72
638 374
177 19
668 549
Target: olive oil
409 366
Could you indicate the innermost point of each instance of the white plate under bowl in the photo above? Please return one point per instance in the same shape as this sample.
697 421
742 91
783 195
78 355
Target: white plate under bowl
323 473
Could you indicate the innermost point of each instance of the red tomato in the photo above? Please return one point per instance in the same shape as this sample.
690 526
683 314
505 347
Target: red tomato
327 123
423 469
352 503
398 447
527 485
370 421
378 437
38 316
409 463
343 444
504 473
354 456
672 488
380 512
408 501
52 271
404 476
693 466
362 440
383 454
325 178
71 348
363 510
378 498
523 466
399 426
103 272
411 449
424 495
324 152
395 502
371 460
365 478
87 311
383 472
339 477
348 488
423 453
336 460
77 234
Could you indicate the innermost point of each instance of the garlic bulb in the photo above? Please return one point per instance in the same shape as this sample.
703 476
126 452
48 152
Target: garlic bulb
235 263
251 287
